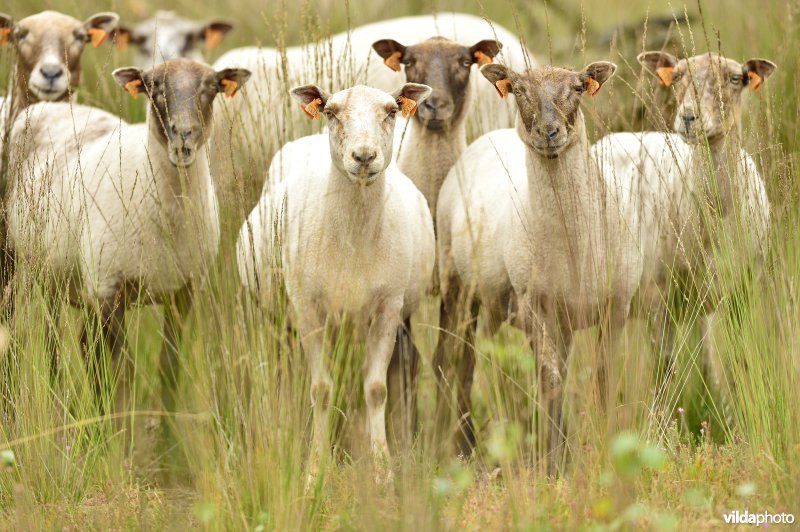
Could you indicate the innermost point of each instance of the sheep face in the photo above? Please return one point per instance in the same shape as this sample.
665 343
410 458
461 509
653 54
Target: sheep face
361 124
167 36
49 47
181 93
548 100
443 65
708 89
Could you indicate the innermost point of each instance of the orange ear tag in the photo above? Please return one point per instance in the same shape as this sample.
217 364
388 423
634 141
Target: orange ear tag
592 86
407 106
230 87
665 75
5 36
482 58
122 39
755 80
393 61
98 36
131 87
213 38
312 109
503 86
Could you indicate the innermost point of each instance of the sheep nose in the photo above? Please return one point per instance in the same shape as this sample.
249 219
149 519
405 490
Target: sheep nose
432 103
552 132
51 72
688 120
364 156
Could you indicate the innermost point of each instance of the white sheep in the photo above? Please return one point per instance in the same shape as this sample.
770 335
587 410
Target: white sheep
354 237
700 187
263 121
124 216
167 36
527 223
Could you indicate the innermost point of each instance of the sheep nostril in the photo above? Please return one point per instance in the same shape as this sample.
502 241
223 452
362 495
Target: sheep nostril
186 152
552 132
364 157
52 72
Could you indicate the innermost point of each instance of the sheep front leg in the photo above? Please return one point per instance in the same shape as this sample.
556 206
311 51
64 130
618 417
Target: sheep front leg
381 338
312 339
610 331
105 328
176 310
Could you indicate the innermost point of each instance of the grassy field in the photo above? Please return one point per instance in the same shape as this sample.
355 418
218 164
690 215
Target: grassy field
677 460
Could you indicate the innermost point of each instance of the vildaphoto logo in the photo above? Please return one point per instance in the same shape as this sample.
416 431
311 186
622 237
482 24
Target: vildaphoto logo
763 518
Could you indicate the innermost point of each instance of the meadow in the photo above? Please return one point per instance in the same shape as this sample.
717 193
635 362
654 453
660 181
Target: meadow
682 453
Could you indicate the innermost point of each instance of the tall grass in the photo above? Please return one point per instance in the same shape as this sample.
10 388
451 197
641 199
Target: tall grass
243 416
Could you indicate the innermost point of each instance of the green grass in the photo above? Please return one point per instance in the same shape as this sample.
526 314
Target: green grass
243 415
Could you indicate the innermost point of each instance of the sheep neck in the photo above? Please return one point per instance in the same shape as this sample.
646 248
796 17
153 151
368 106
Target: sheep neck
426 156
568 187
718 163
352 208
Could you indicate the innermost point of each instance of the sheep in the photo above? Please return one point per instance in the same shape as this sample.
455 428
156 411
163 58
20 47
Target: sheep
48 47
354 236
126 216
706 186
262 122
530 228
437 134
168 36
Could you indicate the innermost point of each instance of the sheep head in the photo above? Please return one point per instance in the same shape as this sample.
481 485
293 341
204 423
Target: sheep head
181 94
549 101
708 89
443 65
361 124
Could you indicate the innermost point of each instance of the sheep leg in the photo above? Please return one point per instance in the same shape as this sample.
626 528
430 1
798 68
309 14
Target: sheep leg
713 373
381 339
402 387
551 345
313 342
175 312
105 327
465 437
609 333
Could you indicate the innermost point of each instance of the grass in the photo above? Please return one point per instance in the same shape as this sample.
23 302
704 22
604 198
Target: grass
243 415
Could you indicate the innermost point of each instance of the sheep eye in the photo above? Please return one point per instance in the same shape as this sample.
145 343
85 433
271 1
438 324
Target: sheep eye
676 77
392 113
736 79
328 114
579 89
467 63
21 33
81 36
409 64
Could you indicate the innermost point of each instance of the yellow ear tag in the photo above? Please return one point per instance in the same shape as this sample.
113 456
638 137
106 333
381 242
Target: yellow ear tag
407 106
665 75
5 36
230 87
503 86
98 36
592 86
755 80
131 87
393 61
122 39
482 58
312 109
213 38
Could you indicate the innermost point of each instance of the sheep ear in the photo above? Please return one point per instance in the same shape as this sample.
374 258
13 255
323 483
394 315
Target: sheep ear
596 74
131 79
312 99
230 80
214 32
6 25
661 64
122 37
391 51
500 76
757 71
409 96
100 25
484 52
